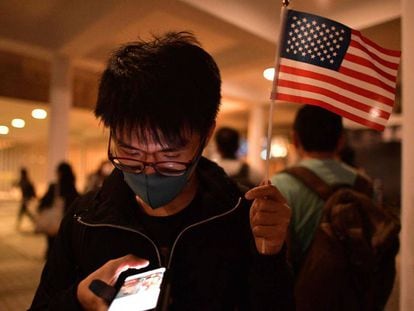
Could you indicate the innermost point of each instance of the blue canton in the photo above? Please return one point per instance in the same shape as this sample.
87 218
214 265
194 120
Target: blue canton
315 40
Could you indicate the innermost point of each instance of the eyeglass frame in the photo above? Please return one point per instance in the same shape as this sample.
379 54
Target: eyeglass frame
153 164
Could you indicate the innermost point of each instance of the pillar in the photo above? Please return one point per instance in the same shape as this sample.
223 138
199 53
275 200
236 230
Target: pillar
60 103
255 136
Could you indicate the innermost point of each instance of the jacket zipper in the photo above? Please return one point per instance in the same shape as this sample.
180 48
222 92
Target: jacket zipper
79 219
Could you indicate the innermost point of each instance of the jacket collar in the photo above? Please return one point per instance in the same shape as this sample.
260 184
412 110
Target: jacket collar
115 203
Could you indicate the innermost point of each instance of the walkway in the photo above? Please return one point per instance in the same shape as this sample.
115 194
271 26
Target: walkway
21 260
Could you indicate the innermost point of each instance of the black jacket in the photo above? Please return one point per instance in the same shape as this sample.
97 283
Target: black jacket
213 265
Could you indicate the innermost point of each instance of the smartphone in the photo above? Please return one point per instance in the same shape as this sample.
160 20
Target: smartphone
139 292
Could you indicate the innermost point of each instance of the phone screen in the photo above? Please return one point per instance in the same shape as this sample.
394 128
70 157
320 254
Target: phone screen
139 292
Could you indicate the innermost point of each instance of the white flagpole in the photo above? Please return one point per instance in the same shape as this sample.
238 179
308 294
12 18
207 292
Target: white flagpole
282 27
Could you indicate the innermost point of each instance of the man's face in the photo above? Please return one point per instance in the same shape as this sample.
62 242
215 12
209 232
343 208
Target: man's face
130 146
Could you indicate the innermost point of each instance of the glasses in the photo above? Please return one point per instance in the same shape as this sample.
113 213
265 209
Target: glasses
166 168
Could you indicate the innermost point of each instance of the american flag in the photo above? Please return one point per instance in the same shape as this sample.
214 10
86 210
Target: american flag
328 64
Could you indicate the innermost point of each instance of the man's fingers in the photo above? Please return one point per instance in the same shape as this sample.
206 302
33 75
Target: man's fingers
113 268
265 192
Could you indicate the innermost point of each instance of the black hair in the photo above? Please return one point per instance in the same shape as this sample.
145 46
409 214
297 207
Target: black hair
318 129
227 141
160 89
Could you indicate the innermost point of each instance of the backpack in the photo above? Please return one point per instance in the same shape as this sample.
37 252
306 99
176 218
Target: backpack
350 264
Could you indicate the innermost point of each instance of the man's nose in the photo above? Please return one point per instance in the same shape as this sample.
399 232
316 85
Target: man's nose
149 169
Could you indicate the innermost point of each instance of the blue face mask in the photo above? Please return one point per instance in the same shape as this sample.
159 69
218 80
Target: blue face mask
155 189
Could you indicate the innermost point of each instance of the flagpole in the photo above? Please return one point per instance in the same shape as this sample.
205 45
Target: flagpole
283 13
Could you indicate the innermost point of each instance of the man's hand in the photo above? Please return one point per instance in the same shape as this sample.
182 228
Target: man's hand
108 273
269 218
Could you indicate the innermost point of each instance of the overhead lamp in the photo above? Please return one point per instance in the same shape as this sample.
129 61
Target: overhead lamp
4 130
39 113
269 73
18 123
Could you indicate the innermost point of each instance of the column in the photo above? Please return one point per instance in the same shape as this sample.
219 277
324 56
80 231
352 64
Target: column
60 104
407 211
255 136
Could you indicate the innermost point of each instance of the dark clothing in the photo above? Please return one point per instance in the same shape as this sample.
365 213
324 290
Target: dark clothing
68 193
28 192
212 264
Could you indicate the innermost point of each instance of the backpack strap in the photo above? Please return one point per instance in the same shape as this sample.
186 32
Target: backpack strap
364 185
311 180
321 188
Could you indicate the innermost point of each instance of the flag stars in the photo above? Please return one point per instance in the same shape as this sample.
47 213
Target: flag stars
314 40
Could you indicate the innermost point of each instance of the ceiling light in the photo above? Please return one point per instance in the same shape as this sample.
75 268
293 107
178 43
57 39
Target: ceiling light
18 123
269 73
4 130
39 113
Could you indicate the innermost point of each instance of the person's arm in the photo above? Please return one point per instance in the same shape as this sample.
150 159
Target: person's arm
62 288
58 283
270 275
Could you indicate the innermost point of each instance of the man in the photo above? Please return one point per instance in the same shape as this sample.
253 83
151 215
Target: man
164 204
227 140
318 138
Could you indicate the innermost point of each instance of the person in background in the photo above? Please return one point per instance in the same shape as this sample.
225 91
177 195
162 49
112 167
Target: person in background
227 141
64 187
95 180
165 204
28 193
318 138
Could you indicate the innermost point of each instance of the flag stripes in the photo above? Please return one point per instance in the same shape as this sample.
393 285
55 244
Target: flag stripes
362 88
